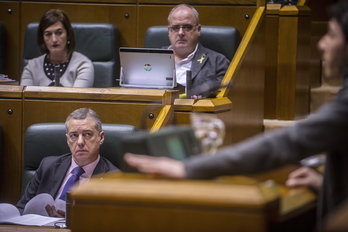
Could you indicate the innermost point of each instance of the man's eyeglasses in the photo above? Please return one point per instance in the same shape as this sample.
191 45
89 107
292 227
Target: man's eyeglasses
185 27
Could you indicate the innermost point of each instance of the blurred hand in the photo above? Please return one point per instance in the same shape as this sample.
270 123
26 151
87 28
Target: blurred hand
305 176
52 212
156 165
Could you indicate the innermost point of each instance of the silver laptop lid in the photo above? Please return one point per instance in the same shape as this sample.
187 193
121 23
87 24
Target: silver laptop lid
147 68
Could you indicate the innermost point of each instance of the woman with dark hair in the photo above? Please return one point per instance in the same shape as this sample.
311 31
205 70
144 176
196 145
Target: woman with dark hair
60 64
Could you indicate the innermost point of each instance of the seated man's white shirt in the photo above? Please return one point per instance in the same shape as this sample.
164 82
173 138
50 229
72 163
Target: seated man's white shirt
182 66
89 168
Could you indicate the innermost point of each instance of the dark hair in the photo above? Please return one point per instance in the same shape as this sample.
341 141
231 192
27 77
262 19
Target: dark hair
339 11
83 113
48 19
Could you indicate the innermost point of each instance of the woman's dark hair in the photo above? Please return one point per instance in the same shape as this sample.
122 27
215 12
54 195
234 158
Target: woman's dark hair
339 11
48 19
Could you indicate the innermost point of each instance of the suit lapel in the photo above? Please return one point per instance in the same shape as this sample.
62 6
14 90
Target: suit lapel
60 169
199 59
101 167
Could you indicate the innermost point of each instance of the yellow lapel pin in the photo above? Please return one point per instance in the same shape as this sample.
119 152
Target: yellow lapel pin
201 59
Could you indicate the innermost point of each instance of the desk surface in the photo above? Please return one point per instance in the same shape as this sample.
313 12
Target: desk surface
141 202
17 228
9 83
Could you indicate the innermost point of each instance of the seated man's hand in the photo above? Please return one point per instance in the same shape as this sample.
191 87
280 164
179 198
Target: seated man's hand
305 176
156 165
52 212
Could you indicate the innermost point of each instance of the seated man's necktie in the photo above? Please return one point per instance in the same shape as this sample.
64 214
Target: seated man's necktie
77 172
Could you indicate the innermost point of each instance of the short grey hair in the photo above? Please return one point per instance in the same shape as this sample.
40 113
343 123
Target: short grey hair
195 12
83 113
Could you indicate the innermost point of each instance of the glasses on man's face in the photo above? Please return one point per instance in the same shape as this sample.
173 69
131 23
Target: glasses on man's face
185 27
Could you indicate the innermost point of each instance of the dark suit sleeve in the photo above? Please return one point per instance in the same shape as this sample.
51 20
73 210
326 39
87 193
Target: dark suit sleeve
47 179
222 64
209 72
324 131
32 188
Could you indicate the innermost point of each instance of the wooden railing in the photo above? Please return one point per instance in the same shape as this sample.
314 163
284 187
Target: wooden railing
287 61
241 52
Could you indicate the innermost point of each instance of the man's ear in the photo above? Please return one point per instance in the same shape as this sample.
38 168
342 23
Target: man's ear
101 137
199 27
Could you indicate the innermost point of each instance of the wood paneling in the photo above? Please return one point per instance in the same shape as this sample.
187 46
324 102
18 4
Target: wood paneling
230 203
116 105
320 9
110 112
271 60
318 30
293 64
145 204
93 1
87 13
287 62
10 15
11 164
302 91
234 16
202 2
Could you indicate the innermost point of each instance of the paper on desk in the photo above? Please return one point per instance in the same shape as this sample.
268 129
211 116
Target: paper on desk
9 214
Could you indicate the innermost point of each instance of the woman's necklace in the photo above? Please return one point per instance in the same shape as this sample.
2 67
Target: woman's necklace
55 71
58 61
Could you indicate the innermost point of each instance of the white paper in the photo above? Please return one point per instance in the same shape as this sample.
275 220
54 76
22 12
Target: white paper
9 214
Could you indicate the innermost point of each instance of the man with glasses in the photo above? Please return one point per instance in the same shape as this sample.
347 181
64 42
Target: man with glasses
208 67
84 136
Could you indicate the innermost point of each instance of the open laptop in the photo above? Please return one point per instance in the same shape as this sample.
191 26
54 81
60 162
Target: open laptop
147 68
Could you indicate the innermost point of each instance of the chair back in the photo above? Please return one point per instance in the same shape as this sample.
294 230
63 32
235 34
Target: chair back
224 40
98 41
49 139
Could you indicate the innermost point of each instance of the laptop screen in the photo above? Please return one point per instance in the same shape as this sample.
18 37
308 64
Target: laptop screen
147 68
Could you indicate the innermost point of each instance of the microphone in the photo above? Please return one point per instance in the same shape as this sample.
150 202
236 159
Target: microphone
188 83
206 90
56 75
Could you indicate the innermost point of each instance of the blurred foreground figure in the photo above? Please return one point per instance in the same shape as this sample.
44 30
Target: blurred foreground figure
324 131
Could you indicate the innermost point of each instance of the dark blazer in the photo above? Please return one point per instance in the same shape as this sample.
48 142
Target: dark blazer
208 69
324 131
50 175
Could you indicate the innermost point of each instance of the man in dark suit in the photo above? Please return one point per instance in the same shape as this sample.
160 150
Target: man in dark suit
324 131
208 67
84 137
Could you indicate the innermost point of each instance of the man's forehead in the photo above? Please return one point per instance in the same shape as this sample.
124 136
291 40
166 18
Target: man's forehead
78 130
182 13
86 124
